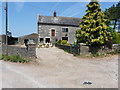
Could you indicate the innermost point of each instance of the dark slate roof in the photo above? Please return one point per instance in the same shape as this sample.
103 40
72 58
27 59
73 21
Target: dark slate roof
51 20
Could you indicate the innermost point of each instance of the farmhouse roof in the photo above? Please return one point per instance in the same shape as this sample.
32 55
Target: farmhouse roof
52 20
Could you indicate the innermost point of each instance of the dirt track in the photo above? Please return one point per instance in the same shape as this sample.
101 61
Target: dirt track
58 69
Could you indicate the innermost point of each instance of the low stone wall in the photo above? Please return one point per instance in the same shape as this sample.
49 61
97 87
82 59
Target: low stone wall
24 52
71 49
86 50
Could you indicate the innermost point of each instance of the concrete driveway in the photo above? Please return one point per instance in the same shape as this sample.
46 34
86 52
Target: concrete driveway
58 69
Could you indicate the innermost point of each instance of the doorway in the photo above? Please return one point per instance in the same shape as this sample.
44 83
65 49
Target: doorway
47 40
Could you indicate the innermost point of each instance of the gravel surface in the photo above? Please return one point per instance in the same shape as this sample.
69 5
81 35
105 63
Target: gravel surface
58 69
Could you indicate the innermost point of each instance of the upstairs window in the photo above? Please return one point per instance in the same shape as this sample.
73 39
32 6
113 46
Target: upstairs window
64 29
53 32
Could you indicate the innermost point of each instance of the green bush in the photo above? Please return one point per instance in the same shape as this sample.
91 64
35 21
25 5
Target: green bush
0 56
63 42
67 44
16 58
58 42
96 55
75 43
116 37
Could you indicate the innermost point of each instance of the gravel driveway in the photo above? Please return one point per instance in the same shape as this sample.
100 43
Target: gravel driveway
58 69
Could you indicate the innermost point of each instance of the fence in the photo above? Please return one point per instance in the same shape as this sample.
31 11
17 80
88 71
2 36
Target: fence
71 49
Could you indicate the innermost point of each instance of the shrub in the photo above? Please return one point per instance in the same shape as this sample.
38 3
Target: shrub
75 43
1 56
67 44
116 37
58 42
63 42
96 55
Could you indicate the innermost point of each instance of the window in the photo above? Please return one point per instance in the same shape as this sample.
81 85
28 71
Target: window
41 39
52 32
65 38
47 40
64 29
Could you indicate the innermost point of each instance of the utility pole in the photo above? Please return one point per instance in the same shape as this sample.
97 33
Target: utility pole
6 8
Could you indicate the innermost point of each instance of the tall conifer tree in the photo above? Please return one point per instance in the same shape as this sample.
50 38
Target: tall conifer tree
93 26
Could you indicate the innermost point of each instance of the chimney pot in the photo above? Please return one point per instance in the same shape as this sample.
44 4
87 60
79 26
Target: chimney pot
55 14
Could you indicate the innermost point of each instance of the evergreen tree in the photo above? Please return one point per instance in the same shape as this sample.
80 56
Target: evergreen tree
93 26
114 13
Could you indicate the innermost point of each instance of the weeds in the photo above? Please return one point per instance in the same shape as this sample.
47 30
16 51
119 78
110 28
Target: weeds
114 52
105 54
16 58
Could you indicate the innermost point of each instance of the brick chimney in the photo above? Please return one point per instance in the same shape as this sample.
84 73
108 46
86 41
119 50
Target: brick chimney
55 14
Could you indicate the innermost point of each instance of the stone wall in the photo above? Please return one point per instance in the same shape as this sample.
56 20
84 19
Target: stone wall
86 50
22 51
71 49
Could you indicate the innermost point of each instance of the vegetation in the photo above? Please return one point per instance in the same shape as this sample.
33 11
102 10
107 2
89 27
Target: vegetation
116 37
16 58
63 42
106 54
94 26
0 56
58 42
114 52
114 13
